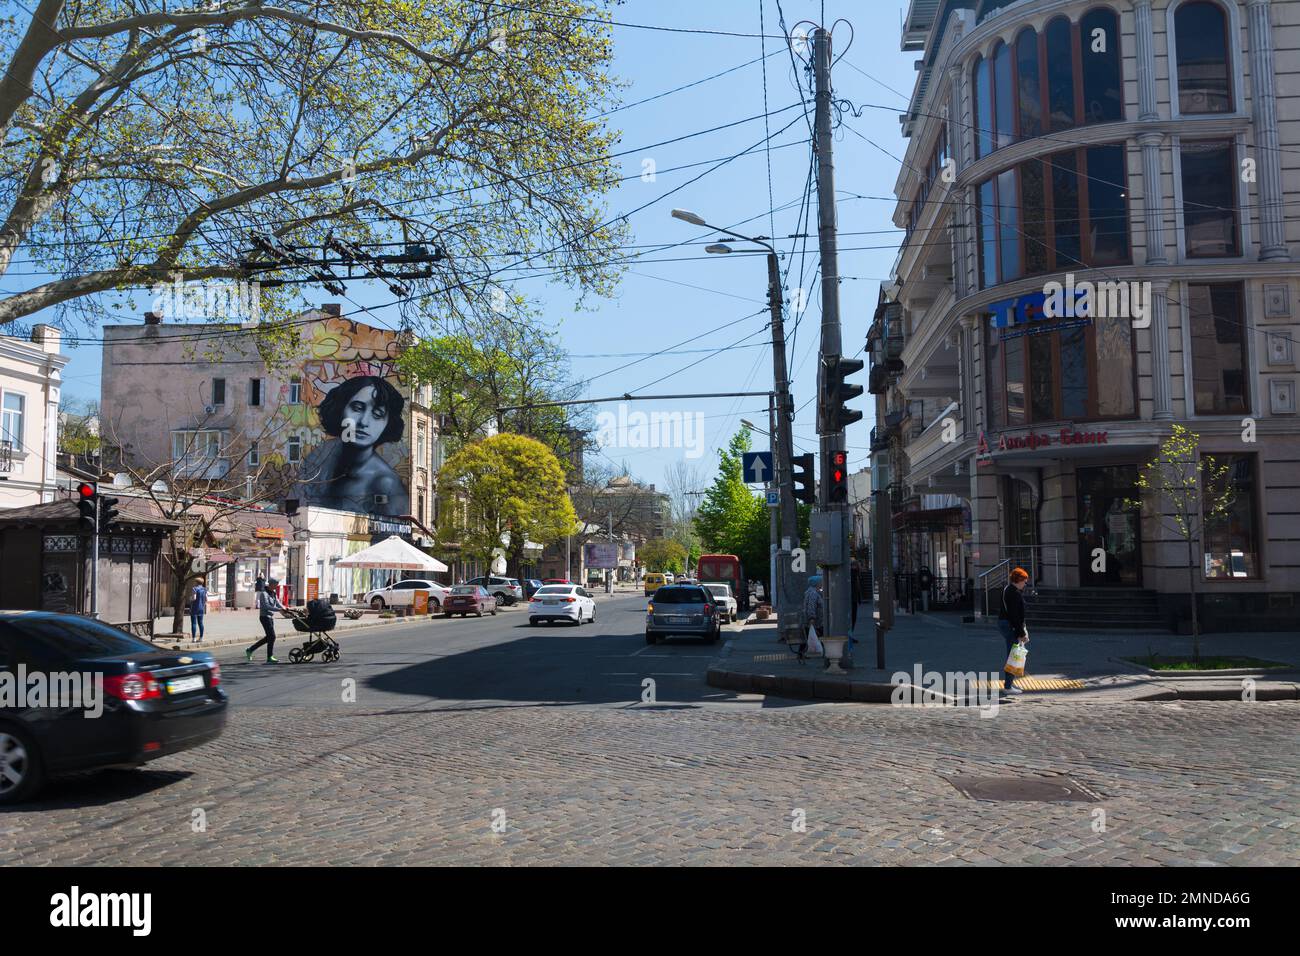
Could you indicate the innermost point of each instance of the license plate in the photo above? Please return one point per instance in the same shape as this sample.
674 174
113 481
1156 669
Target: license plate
679 620
551 603
183 685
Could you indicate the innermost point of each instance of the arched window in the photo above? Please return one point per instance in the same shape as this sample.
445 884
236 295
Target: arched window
1099 55
1201 39
1029 95
1004 96
1060 75
983 108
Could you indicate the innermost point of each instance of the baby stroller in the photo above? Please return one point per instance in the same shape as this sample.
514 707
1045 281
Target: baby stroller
316 622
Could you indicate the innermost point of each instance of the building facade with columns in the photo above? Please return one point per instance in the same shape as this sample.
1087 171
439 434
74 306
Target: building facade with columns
1098 249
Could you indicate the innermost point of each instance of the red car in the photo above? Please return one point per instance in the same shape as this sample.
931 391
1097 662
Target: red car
467 599
556 581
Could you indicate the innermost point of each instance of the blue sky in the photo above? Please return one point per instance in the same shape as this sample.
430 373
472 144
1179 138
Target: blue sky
660 304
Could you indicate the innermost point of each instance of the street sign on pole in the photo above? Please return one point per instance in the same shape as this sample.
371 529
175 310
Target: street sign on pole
757 467
774 499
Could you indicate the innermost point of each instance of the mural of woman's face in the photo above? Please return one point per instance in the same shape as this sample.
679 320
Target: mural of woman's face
368 415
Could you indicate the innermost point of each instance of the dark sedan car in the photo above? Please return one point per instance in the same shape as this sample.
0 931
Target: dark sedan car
109 699
682 609
466 599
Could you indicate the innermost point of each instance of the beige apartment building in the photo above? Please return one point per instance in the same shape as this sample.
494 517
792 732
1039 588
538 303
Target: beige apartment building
354 448
30 380
1098 202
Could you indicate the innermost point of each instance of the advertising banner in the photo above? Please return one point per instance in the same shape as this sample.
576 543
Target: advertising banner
601 554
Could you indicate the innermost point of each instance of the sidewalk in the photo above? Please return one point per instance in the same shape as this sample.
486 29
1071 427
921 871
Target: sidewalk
241 626
1073 664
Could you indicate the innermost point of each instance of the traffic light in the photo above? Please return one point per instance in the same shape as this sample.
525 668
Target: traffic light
107 513
836 416
86 504
837 491
805 487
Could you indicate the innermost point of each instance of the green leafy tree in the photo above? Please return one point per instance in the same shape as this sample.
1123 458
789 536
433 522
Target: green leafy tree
663 554
1184 490
732 519
142 139
509 490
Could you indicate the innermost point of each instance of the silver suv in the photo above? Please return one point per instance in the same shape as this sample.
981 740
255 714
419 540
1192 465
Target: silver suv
685 609
506 590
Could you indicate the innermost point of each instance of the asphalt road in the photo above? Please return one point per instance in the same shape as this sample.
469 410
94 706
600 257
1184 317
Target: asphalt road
496 659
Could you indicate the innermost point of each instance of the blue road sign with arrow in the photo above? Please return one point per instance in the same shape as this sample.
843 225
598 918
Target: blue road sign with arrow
757 467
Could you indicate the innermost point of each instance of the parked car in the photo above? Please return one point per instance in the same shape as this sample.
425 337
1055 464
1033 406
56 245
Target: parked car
506 590
562 602
682 609
155 702
652 582
402 594
531 587
467 599
722 594
556 581
670 577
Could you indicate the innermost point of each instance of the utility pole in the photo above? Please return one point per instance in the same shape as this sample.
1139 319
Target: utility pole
831 533
609 578
788 625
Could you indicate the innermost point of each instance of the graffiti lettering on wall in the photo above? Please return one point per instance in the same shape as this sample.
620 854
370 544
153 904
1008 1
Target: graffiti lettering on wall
348 409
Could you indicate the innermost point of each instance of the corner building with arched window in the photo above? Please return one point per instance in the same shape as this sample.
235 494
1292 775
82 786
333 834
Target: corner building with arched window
1102 213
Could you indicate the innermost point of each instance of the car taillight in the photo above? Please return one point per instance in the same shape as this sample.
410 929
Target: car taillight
132 686
216 673
650 609
569 600
708 609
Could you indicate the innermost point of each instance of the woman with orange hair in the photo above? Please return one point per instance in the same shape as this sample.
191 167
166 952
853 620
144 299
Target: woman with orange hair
1011 620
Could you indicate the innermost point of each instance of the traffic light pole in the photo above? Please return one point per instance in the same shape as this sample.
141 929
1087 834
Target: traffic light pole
838 588
94 564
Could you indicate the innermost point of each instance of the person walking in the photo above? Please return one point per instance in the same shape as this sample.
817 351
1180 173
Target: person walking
813 611
267 605
1011 620
198 610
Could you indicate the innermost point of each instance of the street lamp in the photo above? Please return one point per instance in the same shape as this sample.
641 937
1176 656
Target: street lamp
781 412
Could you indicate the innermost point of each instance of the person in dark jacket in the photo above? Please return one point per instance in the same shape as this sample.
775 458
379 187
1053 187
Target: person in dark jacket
198 610
267 605
1011 620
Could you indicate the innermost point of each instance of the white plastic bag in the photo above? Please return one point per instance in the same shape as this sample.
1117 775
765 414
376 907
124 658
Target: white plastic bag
1015 665
815 648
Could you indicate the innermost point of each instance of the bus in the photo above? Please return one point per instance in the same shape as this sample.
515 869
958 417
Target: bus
725 569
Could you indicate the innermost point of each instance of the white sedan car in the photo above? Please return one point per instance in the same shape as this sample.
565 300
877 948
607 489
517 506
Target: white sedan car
725 600
402 594
561 602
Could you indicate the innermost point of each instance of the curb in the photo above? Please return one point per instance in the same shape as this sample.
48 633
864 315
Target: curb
1287 670
873 692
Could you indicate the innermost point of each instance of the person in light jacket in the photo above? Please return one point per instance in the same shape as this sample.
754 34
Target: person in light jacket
1011 620
267 605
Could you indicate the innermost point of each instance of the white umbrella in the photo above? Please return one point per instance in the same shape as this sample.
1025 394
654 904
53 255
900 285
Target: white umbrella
392 554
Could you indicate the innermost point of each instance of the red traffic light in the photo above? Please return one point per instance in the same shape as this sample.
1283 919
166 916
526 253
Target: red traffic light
86 490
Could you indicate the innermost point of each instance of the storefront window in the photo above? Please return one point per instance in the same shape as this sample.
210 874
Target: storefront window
1069 77
1069 370
983 109
1231 540
1210 198
1218 330
1099 53
1005 96
1060 75
1088 220
1029 97
1201 37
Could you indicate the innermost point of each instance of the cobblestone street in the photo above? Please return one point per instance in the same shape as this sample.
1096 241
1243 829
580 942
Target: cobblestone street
1214 783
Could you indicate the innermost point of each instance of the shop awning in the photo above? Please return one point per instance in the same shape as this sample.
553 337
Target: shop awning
392 554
